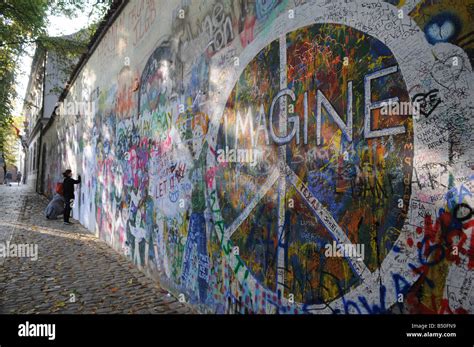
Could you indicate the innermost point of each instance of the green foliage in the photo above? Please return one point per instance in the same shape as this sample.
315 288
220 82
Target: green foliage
9 145
23 23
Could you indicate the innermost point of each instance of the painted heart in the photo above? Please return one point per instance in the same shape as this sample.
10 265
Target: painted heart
427 101
447 71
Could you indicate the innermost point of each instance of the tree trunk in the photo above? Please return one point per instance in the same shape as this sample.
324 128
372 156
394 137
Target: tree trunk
4 165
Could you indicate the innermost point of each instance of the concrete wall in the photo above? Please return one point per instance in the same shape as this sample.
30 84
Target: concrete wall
175 88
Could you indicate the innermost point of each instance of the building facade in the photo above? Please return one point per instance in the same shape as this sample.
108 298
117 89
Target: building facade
48 77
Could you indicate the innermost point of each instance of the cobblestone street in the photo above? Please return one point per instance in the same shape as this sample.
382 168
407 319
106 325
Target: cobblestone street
70 261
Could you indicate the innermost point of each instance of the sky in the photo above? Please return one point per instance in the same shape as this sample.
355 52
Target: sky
58 26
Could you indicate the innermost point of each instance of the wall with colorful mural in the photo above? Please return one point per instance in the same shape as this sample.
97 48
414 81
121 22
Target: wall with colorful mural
241 152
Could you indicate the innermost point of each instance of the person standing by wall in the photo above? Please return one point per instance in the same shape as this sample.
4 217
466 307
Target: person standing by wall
68 191
18 177
8 178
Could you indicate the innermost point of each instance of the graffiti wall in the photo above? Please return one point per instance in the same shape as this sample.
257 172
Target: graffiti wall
281 156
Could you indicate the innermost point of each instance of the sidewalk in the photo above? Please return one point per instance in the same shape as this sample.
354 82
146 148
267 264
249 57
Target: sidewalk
72 264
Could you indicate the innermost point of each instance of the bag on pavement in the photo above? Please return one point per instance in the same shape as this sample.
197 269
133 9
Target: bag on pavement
55 207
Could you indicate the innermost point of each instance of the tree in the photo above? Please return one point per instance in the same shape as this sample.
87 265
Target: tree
9 142
22 24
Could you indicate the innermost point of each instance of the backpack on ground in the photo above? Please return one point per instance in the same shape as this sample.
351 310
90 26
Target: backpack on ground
59 188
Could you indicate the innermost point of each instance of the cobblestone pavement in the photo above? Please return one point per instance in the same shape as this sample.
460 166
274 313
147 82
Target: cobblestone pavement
70 261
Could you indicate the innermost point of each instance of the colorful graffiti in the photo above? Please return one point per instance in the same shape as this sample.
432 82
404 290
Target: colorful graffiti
354 173
247 141
447 21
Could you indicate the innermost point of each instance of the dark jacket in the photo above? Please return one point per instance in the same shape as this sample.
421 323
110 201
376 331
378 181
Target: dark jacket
68 187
